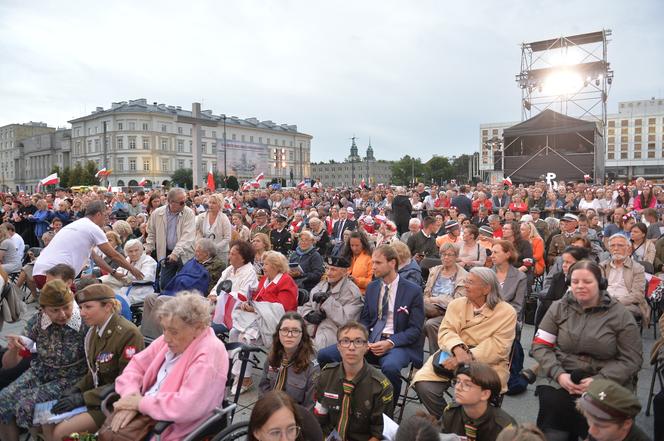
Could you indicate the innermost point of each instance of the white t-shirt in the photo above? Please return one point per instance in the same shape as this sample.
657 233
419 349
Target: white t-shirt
19 243
71 246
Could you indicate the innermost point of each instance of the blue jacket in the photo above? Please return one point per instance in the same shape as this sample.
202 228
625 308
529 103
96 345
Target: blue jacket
312 266
42 220
408 316
412 272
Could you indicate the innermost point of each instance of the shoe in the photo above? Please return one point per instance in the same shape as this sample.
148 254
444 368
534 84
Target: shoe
529 375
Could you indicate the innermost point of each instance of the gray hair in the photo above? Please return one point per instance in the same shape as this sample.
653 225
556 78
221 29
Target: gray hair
208 246
315 221
552 223
122 227
493 218
414 221
131 243
174 192
94 208
488 277
189 306
447 246
615 236
308 233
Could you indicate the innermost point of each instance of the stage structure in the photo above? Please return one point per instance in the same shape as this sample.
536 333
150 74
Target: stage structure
551 142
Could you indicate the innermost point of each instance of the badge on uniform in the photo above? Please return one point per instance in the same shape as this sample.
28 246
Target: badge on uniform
104 357
331 395
129 351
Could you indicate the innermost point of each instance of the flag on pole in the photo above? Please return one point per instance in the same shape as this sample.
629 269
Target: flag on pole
142 182
507 181
210 181
102 173
48 180
301 184
254 183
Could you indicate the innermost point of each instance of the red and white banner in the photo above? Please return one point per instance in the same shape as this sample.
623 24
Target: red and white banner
102 173
254 183
545 338
210 181
142 182
226 303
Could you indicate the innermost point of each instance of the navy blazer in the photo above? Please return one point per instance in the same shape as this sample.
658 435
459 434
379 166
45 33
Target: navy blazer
408 316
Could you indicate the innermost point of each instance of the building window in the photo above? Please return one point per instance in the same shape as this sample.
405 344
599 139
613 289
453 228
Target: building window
163 127
132 143
164 143
180 164
120 142
132 165
120 126
190 143
251 139
214 148
120 164
290 155
146 165
638 122
260 140
180 146
612 123
146 143
624 123
283 143
145 127
233 136
89 146
204 165
179 130
96 145
204 148
242 138
268 141
214 165
132 126
214 133
164 164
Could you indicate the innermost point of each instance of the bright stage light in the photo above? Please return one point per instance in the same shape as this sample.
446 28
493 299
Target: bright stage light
563 82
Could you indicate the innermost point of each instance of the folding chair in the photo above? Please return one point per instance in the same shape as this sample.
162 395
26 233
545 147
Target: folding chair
658 372
404 398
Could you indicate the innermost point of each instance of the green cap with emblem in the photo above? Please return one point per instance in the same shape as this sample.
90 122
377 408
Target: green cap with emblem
607 400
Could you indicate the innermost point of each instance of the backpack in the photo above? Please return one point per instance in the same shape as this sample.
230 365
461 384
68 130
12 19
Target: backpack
12 305
192 277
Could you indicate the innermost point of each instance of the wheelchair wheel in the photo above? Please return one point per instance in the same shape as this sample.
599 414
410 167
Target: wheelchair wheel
237 431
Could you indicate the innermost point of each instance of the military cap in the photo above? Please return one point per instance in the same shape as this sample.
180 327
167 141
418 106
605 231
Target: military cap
337 261
96 291
609 401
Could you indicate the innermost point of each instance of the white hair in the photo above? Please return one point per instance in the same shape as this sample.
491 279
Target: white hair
131 243
414 221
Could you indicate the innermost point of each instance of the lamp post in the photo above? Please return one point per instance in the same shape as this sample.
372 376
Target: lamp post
225 153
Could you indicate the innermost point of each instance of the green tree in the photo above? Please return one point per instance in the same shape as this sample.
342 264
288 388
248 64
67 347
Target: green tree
460 165
438 169
182 178
64 177
232 183
75 175
406 169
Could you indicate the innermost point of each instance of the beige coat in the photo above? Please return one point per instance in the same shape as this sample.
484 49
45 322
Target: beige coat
635 281
222 232
186 233
459 284
489 335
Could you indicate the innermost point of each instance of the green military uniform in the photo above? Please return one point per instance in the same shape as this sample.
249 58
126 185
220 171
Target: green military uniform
371 397
106 356
265 229
558 243
485 428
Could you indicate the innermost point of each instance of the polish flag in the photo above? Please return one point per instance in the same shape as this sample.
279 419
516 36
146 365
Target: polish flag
363 184
507 181
586 178
210 181
102 173
301 184
50 180
142 182
226 303
545 338
652 284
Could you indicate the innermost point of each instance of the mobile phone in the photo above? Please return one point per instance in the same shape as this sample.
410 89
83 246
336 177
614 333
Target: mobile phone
444 355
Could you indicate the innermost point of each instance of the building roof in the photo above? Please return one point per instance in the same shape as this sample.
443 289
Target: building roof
142 106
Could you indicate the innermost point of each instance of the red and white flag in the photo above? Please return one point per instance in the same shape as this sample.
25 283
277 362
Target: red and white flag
363 184
586 178
142 182
226 303
545 338
210 181
301 184
507 181
254 183
102 173
50 180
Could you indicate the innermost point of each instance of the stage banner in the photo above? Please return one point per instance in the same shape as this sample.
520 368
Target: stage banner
244 160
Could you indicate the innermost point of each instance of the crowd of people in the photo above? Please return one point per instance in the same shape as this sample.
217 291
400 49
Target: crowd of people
345 289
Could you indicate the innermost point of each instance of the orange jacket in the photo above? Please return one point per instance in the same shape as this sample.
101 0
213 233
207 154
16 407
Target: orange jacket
361 269
538 254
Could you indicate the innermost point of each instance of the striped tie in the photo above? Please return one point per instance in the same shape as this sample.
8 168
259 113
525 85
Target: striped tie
283 371
345 409
471 431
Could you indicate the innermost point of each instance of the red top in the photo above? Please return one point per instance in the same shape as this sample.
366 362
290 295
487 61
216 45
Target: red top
284 292
521 207
487 203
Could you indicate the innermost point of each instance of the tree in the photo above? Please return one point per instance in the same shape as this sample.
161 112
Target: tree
232 183
88 174
460 165
75 175
406 169
183 178
438 169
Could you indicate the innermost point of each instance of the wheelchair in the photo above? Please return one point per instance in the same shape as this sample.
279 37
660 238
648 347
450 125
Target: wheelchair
221 420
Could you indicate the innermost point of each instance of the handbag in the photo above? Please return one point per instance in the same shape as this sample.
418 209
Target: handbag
137 429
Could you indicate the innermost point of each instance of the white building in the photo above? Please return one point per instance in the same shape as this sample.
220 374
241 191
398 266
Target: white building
10 137
634 141
145 140
354 170
37 155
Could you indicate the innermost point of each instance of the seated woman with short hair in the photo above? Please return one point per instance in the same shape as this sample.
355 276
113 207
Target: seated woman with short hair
55 336
123 282
480 326
185 368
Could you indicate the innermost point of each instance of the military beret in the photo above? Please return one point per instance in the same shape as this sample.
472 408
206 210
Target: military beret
95 291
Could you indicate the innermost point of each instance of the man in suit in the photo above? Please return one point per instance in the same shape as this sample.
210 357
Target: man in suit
482 217
463 204
341 225
393 313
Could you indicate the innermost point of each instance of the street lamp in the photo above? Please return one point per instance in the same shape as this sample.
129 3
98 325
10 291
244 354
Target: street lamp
225 153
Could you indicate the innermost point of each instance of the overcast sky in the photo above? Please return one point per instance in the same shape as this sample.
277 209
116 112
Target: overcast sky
416 77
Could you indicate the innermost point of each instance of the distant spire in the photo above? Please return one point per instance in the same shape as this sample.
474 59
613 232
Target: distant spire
353 150
370 152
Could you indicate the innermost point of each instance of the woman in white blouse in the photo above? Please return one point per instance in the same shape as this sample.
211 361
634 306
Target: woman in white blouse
214 224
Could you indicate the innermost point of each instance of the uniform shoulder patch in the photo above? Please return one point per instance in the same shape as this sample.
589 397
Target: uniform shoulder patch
331 366
129 352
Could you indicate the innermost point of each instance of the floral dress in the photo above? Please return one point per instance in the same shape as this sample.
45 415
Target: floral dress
56 367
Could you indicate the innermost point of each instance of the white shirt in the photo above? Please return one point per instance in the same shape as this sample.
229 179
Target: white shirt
100 331
164 370
389 322
19 243
243 278
617 287
71 246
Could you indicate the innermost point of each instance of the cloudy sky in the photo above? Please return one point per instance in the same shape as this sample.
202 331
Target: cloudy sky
416 77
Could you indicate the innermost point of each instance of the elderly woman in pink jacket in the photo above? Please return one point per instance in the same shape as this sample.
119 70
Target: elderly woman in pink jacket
181 376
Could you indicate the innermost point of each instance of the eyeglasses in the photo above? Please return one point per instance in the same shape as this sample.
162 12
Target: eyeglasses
449 255
465 385
346 342
291 433
180 203
290 332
